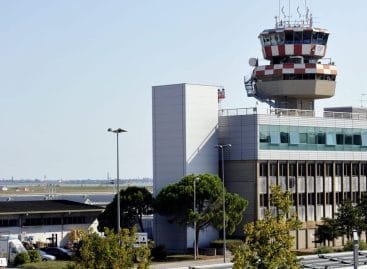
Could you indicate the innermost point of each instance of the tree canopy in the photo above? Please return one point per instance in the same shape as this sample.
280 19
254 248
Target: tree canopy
268 242
176 202
134 203
112 251
349 217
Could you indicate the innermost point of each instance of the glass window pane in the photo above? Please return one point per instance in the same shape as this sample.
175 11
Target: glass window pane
288 37
273 41
307 37
294 138
331 139
314 37
274 138
339 139
284 137
280 37
357 139
364 139
303 138
297 37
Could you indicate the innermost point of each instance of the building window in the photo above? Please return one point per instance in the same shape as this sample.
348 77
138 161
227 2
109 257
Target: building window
355 169
263 169
264 200
273 170
311 198
302 169
8 223
292 170
329 169
363 169
311 170
338 169
347 169
283 169
284 138
320 169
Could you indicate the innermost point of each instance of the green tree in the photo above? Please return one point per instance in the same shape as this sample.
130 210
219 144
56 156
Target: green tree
328 230
349 218
134 203
176 202
268 242
113 251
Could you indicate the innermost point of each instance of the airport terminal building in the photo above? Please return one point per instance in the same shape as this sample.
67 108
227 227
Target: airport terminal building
320 159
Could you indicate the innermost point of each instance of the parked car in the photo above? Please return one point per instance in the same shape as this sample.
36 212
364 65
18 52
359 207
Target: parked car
45 256
59 253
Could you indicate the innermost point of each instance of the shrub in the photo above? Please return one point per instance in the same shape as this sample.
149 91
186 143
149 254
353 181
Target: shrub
349 245
159 253
34 255
324 249
231 244
22 258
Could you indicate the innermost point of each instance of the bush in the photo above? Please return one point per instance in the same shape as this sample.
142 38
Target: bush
231 244
159 253
324 249
34 255
349 246
22 258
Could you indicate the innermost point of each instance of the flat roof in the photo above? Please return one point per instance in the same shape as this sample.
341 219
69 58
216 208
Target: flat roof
46 206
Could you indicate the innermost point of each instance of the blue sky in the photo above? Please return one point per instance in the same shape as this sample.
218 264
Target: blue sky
71 69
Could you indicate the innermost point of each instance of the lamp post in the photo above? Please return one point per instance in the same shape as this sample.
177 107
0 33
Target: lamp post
221 148
355 249
117 132
195 239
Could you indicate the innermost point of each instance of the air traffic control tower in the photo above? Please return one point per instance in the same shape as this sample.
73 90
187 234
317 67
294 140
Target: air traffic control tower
297 73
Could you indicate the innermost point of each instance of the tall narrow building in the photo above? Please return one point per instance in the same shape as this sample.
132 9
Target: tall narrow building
185 131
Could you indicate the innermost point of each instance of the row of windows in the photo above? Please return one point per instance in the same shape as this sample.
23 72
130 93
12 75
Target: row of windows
294 37
318 169
300 77
44 221
340 138
315 198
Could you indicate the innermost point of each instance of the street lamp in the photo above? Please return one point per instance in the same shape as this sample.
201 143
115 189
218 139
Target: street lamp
221 148
117 131
195 250
355 249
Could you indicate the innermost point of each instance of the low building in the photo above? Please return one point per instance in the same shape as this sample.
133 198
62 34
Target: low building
47 221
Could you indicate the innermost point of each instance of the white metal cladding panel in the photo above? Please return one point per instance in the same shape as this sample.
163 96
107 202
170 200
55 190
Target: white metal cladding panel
310 184
319 184
201 121
362 183
310 212
302 212
337 184
311 155
346 184
262 186
301 184
168 135
328 184
328 211
319 212
311 121
354 183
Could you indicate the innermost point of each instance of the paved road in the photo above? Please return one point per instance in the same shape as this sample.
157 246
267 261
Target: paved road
186 264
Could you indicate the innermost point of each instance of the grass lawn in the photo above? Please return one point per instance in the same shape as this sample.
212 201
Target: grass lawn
46 265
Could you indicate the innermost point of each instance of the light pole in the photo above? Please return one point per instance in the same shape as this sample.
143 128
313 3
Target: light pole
195 250
221 148
117 131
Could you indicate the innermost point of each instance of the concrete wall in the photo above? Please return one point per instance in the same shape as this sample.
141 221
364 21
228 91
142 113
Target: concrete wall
185 122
